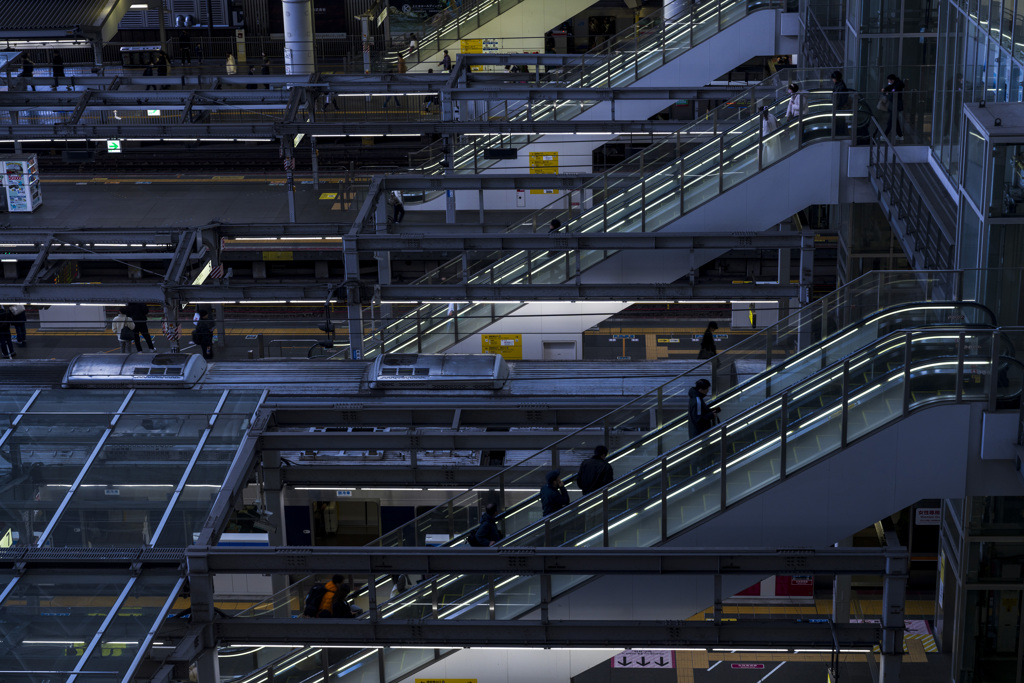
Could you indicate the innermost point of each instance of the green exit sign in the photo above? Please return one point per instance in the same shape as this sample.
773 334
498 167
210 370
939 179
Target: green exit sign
114 146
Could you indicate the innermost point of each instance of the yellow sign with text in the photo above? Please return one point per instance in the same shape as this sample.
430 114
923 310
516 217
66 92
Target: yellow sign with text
544 163
472 47
508 346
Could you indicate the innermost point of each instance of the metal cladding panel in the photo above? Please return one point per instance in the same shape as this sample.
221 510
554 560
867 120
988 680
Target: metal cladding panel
135 369
36 15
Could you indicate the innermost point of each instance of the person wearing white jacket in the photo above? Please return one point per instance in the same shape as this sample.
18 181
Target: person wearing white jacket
124 329
797 102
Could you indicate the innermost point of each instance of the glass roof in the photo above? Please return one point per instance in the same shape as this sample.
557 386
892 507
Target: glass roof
104 468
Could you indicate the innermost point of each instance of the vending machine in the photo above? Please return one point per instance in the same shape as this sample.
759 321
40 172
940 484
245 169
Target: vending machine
21 183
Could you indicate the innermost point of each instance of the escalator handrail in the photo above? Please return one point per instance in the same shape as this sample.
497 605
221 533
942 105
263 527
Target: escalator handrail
832 368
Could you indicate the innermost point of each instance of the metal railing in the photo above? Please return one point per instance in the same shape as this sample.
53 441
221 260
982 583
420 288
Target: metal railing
760 447
676 176
910 211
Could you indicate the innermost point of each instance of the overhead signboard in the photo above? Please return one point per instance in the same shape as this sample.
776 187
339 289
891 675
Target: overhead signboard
644 659
114 146
544 163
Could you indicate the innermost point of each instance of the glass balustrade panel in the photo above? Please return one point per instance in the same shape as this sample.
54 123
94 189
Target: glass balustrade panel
753 451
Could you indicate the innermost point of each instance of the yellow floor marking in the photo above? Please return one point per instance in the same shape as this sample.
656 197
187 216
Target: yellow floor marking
328 195
915 650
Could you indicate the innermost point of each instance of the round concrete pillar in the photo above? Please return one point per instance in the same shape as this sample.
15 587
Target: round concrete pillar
299 55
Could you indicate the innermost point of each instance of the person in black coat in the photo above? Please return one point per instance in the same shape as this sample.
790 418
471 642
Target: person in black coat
202 335
595 473
139 313
707 342
6 347
488 533
701 416
553 496
893 91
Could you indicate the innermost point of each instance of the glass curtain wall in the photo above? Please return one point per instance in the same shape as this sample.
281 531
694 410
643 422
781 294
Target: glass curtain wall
979 58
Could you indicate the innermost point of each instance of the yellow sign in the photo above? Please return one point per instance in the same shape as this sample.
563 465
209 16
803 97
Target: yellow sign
508 346
277 256
7 540
472 47
329 195
544 163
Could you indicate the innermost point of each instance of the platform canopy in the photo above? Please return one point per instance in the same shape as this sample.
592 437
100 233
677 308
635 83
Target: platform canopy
51 20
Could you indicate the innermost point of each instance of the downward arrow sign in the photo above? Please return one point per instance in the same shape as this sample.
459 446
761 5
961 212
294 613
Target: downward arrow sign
643 661
662 661
623 661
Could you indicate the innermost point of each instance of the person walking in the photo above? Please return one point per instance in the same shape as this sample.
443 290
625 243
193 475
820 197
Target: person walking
595 473
707 342
700 415
124 329
446 62
202 335
27 68
413 44
488 533
6 347
840 101
186 48
553 495
139 313
57 64
18 319
892 92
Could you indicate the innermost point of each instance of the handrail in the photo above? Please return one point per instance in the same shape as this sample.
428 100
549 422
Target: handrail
680 183
632 53
660 400
903 372
930 238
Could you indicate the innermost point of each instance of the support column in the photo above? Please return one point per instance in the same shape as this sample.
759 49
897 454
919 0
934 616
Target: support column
299 54
163 26
383 257
289 170
97 56
841 588
894 593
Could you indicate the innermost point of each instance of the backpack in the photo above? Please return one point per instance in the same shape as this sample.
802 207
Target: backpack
313 599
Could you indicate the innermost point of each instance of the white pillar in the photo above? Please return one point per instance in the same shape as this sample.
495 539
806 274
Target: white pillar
299 57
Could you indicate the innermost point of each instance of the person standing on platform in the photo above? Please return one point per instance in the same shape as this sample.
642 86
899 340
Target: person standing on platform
700 416
6 347
57 63
595 473
265 70
18 319
707 342
398 208
252 86
124 329
553 496
27 67
139 313
229 65
446 62
202 335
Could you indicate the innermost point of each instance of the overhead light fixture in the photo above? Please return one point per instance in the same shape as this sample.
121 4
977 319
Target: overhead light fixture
138 5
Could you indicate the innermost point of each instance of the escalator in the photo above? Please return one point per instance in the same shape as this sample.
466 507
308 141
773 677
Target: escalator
737 178
712 40
826 405
493 19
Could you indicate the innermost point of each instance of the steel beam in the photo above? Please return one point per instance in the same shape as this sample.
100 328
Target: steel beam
555 634
540 560
420 439
240 293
